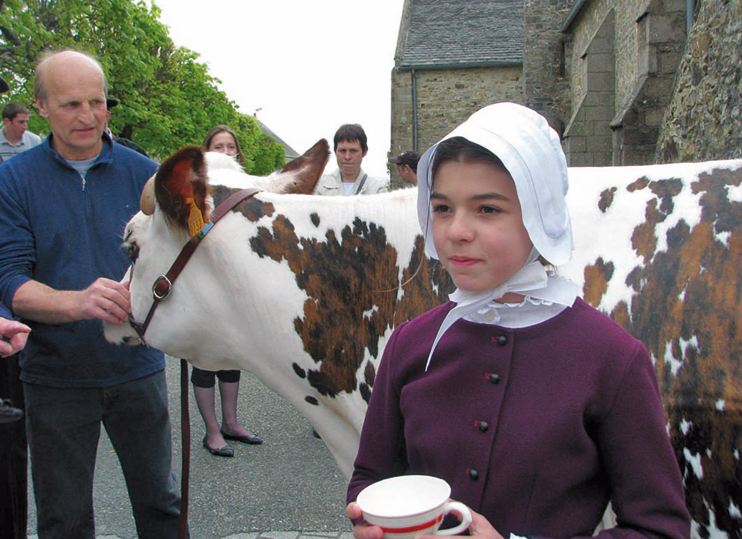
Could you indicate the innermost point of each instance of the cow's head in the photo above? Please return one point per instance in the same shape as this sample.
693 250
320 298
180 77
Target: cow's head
187 186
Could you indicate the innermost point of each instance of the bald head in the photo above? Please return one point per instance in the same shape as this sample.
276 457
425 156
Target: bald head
78 63
71 94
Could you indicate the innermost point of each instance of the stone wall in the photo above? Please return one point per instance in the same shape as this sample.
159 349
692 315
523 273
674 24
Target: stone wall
704 118
638 68
445 98
544 70
403 118
588 139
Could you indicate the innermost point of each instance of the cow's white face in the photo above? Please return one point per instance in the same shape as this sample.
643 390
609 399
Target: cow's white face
224 175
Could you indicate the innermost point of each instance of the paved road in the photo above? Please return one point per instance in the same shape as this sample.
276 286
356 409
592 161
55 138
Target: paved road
288 487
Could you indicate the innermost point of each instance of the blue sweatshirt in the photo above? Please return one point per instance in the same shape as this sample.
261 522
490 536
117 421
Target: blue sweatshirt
66 232
5 312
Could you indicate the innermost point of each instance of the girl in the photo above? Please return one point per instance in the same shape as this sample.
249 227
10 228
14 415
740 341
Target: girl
536 408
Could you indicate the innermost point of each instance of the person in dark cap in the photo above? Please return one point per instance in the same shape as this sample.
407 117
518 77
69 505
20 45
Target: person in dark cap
407 166
112 102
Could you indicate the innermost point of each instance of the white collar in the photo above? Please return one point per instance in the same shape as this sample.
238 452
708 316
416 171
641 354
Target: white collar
532 280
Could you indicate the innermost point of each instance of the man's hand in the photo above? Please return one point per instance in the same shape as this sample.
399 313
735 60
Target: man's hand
13 336
105 299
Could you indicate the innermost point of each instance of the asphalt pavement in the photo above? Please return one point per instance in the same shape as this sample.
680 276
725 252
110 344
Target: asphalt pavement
287 488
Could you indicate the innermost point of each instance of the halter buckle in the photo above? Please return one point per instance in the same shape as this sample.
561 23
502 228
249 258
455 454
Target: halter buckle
161 288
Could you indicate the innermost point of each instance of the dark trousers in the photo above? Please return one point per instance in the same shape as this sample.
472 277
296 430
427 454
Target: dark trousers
64 427
13 457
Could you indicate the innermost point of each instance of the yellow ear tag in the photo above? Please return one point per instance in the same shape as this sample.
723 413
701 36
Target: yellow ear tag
195 219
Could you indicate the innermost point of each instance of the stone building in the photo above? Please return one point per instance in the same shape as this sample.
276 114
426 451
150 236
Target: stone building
622 58
619 79
452 59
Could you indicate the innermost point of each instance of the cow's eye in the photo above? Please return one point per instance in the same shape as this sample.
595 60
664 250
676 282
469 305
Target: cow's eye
132 251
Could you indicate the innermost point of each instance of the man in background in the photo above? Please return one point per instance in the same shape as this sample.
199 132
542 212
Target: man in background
349 178
407 166
14 137
113 102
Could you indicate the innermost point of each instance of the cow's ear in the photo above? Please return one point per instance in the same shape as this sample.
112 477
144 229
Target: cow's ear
181 186
301 175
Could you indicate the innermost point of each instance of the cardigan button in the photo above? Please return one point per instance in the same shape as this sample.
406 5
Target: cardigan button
502 340
494 378
473 473
483 426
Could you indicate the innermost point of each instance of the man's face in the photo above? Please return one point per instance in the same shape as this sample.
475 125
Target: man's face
75 106
15 128
349 156
406 174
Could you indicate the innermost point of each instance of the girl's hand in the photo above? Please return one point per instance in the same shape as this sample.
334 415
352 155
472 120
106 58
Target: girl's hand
480 528
363 530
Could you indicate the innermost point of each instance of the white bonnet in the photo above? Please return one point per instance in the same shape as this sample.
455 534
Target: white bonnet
532 153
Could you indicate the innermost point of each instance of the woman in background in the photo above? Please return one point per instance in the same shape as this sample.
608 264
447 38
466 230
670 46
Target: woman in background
223 140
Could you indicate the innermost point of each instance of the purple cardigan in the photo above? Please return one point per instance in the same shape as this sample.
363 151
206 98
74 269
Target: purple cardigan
536 428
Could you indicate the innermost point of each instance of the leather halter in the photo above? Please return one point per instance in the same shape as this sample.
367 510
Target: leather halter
164 283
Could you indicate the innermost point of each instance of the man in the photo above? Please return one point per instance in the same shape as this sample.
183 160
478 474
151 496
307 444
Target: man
407 166
63 205
349 178
13 449
13 336
14 137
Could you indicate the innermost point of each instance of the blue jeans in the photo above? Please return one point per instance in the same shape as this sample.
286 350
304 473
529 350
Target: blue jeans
63 426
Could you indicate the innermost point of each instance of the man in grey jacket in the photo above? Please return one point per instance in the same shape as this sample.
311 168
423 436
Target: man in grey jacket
349 178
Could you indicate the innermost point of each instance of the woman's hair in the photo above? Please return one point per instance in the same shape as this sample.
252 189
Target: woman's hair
221 128
461 150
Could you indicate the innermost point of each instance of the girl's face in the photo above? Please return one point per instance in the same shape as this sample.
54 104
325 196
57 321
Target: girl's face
477 225
223 142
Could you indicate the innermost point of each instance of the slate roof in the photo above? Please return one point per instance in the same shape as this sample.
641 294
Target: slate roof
445 33
290 152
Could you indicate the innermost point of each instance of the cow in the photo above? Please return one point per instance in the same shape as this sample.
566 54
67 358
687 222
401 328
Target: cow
304 291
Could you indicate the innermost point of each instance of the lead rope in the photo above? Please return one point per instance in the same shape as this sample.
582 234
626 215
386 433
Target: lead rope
185 471
185 417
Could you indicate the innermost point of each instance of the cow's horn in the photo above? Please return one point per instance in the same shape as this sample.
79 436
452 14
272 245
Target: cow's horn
147 202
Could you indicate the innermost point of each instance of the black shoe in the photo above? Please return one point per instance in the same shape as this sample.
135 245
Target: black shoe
249 439
8 413
225 451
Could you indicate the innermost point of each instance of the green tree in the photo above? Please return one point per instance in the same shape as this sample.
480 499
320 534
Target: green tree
167 98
